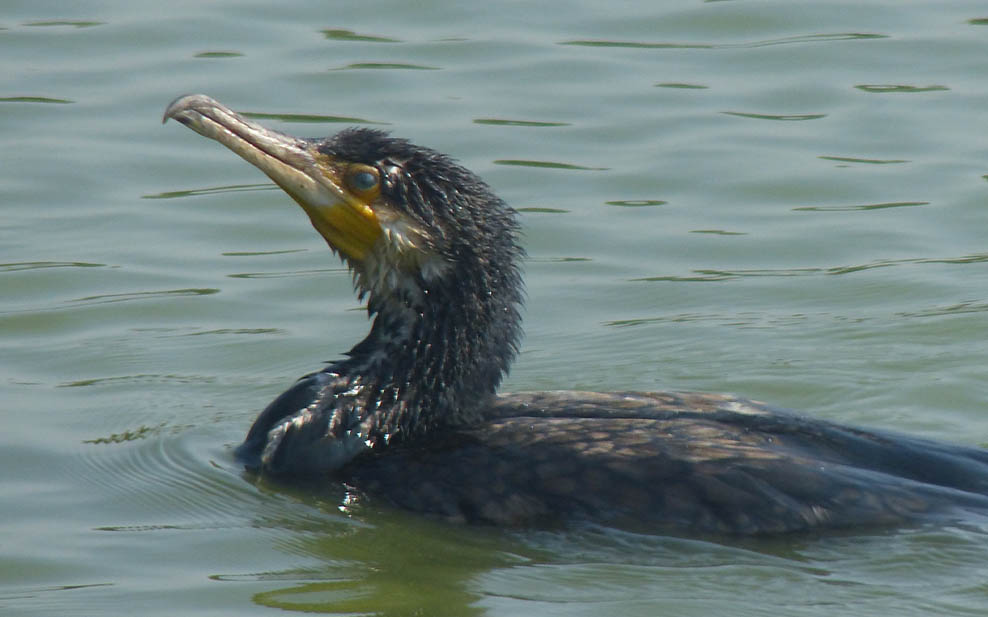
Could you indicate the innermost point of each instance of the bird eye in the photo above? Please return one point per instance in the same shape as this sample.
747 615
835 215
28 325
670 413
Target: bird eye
362 178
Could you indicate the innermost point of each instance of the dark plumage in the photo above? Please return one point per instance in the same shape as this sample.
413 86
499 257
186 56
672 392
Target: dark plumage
411 416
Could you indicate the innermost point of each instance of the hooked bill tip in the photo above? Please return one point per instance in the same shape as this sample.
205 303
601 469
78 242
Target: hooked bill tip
185 103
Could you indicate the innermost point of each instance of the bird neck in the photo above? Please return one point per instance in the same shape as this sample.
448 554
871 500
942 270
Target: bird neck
436 352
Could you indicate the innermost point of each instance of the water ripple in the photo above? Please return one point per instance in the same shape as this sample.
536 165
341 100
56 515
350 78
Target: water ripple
709 275
637 44
899 88
33 593
64 22
138 379
814 38
236 331
261 253
111 299
137 434
636 203
547 165
683 86
781 117
232 188
337 34
34 99
219 54
40 265
294 575
851 159
543 210
387 66
879 206
310 118
284 274
718 232
952 309
142 295
789 40
528 123
162 477
557 260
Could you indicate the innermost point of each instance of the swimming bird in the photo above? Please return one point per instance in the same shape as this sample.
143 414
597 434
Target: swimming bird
411 416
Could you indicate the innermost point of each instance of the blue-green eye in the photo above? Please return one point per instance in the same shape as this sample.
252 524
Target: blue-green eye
362 178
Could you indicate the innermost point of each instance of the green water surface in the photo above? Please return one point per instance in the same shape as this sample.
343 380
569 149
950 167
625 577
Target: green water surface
784 200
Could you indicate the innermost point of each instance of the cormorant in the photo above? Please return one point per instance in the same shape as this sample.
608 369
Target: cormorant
411 415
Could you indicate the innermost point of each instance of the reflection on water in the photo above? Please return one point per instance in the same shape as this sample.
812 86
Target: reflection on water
393 566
